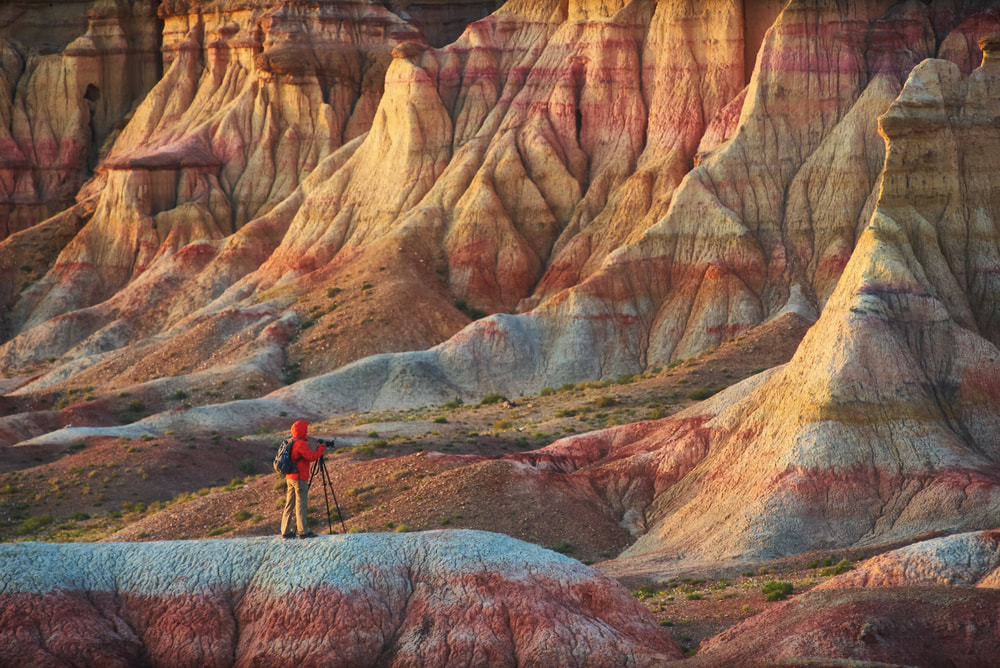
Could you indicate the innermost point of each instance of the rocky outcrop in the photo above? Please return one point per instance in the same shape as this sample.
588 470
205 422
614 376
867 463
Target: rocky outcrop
254 96
967 560
933 603
304 189
454 598
69 75
500 172
883 426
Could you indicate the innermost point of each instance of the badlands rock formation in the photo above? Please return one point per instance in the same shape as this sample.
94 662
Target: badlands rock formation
308 185
884 424
930 604
453 598
69 74
496 173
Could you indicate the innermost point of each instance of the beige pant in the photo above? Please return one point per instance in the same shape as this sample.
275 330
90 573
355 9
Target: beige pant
297 497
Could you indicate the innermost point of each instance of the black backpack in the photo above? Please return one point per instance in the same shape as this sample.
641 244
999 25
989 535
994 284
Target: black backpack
283 463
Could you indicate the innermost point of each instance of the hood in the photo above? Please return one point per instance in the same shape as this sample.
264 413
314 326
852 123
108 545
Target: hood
299 429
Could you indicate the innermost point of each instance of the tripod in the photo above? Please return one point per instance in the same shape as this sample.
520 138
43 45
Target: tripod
319 469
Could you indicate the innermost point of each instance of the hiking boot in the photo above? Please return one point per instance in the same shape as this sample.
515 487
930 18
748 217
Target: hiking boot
286 536
308 534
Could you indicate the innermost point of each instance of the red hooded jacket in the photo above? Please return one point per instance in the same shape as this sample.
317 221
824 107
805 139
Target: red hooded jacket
302 455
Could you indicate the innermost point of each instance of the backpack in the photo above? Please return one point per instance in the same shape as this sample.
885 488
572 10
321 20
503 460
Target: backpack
283 463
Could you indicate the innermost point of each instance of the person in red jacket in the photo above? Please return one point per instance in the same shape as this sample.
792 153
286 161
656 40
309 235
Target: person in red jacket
297 494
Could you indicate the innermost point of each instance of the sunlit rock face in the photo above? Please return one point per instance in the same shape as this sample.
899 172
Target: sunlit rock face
253 97
455 598
69 73
884 424
622 183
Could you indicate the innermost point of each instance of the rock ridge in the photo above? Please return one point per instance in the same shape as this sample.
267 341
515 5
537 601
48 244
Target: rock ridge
439 598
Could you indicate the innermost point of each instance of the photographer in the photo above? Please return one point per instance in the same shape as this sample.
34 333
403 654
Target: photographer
297 494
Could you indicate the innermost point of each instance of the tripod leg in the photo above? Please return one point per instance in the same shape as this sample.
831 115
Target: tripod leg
340 513
326 479
328 484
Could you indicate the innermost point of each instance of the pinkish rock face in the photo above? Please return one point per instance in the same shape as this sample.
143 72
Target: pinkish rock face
965 560
542 159
454 598
932 603
542 168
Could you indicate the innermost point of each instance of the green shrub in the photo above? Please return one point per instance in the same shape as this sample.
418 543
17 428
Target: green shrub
547 391
693 596
220 530
705 392
605 401
777 590
440 420
454 403
33 524
247 466
562 547
492 398
503 425
644 592
842 567
241 515
136 406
